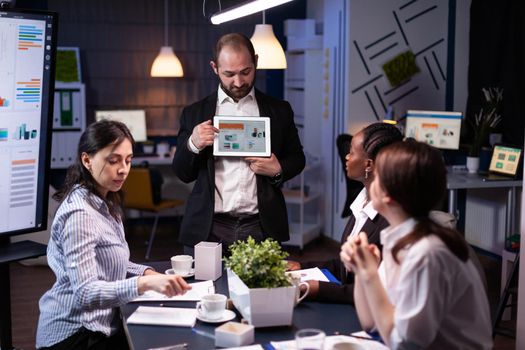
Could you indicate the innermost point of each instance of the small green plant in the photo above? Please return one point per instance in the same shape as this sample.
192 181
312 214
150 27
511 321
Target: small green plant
486 120
258 265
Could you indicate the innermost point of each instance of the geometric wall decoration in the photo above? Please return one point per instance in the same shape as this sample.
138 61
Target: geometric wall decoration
380 31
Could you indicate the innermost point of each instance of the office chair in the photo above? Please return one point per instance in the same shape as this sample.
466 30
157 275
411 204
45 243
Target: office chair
138 195
353 187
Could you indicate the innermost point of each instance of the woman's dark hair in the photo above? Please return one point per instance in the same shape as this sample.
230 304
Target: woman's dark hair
377 136
235 40
97 136
414 175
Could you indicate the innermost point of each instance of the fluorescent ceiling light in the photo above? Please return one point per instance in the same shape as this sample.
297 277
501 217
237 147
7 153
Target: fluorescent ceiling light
245 9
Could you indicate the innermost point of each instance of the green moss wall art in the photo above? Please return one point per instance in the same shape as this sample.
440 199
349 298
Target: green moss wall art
400 68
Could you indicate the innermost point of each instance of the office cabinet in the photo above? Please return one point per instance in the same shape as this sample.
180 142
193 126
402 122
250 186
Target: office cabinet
303 201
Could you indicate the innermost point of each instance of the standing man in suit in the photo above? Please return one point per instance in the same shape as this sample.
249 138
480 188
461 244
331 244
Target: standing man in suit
235 197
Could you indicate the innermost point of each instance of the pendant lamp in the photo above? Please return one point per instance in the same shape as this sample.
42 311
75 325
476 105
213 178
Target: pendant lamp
166 63
267 47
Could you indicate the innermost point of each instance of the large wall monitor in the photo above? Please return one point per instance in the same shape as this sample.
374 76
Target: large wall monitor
135 120
439 129
27 70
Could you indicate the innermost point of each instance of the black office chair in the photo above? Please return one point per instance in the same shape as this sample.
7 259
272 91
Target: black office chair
353 187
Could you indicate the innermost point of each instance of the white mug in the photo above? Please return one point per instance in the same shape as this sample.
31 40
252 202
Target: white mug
181 264
295 278
212 306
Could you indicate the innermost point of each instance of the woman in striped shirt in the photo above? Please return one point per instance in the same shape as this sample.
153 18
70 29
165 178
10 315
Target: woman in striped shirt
88 251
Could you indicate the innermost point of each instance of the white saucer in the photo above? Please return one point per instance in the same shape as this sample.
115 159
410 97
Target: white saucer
226 316
191 273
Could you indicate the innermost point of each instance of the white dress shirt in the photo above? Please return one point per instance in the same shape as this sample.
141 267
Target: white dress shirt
235 182
440 301
362 211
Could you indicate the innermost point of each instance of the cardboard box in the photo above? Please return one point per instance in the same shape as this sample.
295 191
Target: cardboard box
233 334
208 261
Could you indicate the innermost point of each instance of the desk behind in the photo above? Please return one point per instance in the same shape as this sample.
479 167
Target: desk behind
462 181
331 318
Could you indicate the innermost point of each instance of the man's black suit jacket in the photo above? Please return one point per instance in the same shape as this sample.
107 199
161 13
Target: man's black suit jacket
188 166
344 293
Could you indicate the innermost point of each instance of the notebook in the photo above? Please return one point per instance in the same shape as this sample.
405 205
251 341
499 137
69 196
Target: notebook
505 163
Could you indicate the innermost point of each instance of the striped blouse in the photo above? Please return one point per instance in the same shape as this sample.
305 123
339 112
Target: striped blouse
89 255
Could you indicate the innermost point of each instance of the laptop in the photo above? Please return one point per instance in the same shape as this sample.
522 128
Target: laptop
505 163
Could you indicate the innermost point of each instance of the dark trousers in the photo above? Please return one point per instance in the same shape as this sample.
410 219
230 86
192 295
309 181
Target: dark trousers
227 229
85 339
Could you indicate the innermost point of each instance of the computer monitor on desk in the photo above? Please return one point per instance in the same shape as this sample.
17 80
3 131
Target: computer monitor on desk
135 120
437 128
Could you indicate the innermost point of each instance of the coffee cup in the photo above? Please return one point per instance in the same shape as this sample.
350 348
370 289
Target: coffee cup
181 264
295 278
310 339
212 306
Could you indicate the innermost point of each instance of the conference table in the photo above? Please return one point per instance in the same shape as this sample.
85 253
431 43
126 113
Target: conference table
332 318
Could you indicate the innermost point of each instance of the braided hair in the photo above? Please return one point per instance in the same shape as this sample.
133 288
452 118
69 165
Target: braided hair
378 135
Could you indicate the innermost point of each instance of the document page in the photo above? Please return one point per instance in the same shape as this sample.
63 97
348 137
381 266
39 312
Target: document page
331 341
197 291
312 274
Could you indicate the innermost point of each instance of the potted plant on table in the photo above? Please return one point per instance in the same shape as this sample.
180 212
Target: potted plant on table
258 284
484 122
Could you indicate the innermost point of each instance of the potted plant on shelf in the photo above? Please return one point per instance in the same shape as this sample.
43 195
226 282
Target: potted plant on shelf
258 284
484 122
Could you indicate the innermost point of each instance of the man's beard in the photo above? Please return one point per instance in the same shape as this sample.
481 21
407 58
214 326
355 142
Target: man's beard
237 93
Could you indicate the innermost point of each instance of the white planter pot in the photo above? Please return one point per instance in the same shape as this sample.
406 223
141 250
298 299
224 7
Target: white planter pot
262 307
472 164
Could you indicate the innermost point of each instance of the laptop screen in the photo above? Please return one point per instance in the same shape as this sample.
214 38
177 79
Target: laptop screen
505 160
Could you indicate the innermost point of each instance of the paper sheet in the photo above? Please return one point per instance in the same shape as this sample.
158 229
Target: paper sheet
198 290
330 341
163 316
247 347
312 274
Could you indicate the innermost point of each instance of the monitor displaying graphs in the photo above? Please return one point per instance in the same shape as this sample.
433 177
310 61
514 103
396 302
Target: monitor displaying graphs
437 128
27 53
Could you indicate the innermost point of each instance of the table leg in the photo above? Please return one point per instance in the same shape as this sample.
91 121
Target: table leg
6 340
509 213
453 203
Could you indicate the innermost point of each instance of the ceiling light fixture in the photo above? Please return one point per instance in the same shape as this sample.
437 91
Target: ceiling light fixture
267 47
245 9
166 64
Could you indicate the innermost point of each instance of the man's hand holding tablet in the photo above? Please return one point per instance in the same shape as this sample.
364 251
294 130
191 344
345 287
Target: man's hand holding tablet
265 166
203 134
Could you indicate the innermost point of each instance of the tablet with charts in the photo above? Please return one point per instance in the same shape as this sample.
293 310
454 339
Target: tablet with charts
242 136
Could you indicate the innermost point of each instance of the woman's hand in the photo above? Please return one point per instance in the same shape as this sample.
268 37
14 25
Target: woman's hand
169 285
292 265
359 256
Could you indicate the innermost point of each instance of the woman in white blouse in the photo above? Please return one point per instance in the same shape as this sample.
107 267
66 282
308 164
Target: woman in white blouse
88 252
426 293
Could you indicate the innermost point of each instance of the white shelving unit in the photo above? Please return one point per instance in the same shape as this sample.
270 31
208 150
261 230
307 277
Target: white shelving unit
303 200
303 89
69 121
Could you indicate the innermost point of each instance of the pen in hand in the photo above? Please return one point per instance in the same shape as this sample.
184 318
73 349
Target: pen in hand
172 347
203 333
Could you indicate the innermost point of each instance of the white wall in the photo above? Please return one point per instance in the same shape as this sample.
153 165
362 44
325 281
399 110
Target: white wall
349 98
